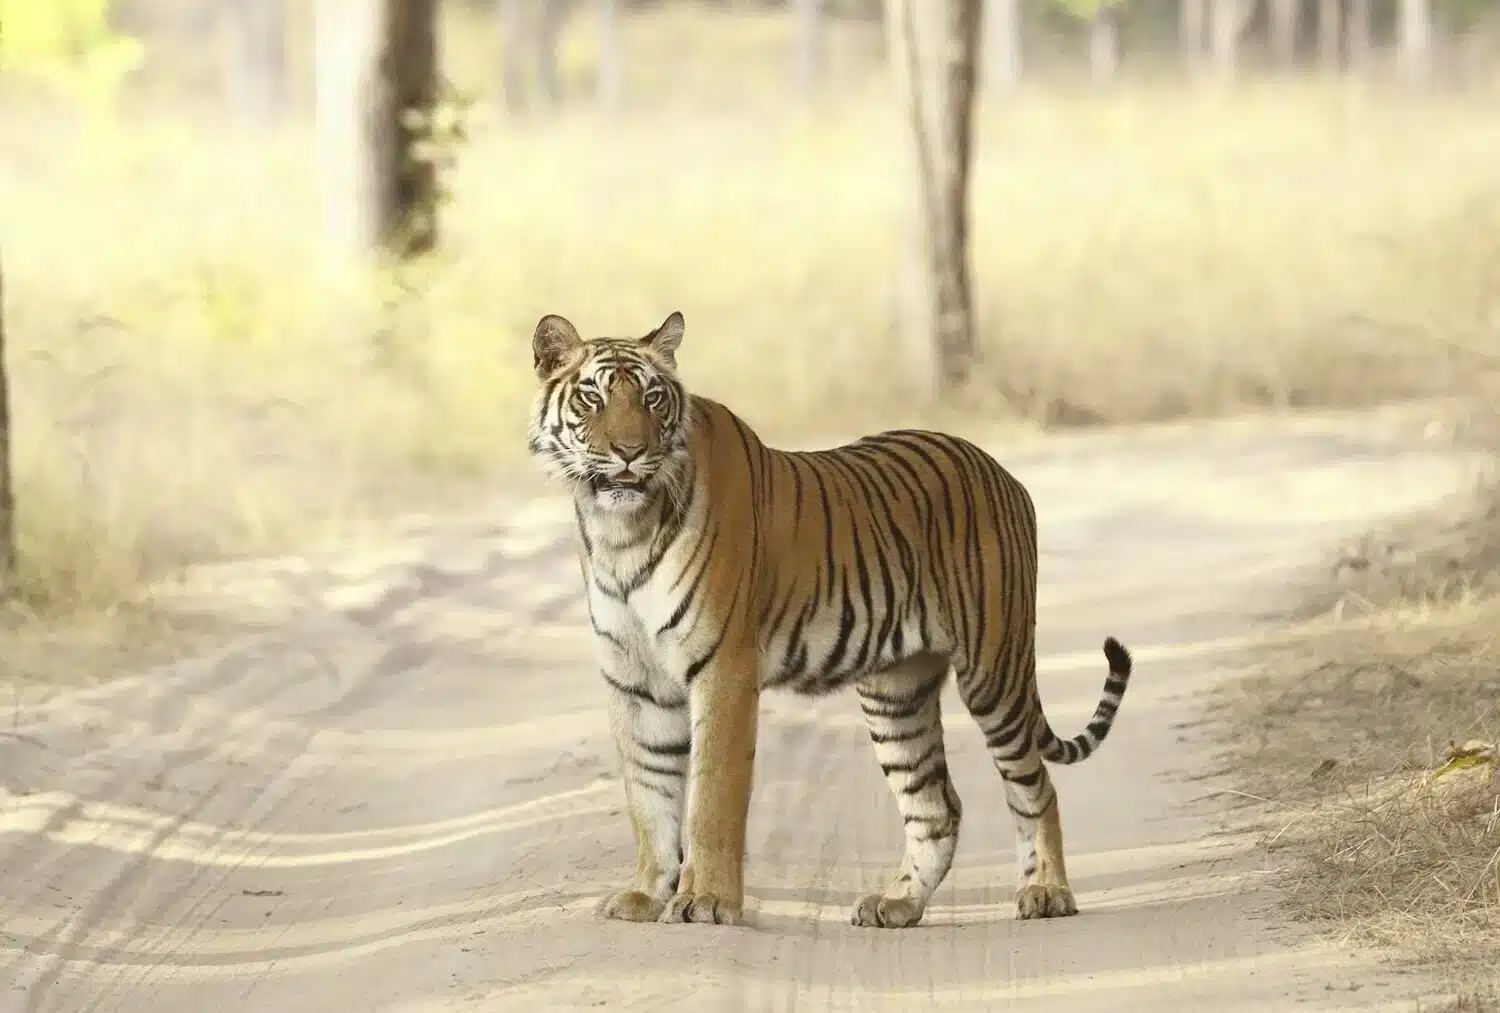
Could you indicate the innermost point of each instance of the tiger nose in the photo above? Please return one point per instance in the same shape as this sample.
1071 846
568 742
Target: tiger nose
628 451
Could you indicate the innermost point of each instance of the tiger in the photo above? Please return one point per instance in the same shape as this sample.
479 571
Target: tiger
716 567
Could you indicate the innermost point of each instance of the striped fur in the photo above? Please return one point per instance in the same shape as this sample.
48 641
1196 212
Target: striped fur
716 566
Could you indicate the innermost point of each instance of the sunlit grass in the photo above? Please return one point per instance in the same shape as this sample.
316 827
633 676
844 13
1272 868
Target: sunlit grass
187 386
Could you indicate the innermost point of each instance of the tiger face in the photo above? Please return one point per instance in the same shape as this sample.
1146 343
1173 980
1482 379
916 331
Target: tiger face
611 417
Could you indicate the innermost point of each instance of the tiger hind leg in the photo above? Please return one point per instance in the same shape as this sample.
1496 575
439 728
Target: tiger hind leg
1042 889
902 712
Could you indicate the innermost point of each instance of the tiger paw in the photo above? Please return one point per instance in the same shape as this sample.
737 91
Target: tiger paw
700 909
1037 901
878 912
631 906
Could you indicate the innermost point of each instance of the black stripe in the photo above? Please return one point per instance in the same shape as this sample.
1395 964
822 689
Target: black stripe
637 692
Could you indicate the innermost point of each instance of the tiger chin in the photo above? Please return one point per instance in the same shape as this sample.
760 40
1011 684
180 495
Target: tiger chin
717 567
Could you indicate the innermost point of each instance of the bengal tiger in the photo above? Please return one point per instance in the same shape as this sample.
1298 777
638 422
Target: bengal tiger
716 566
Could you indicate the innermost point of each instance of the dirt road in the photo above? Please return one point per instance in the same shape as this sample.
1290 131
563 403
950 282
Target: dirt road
401 796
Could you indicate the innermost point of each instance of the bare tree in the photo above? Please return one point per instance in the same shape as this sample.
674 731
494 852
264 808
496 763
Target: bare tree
514 81
7 497
1227 22
810 20
377 80
1285 16
1414 46
611 80
531 31
1330 33
554 14
1002 45
1192 32
933 46
1104 45
1357 35
255 70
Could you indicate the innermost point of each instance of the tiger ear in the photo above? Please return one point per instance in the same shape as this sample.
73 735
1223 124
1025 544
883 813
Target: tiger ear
554 338
665 339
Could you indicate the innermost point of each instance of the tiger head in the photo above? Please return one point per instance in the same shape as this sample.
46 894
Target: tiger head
611 417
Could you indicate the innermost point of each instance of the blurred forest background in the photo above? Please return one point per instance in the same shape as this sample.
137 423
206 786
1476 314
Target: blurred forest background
1170 210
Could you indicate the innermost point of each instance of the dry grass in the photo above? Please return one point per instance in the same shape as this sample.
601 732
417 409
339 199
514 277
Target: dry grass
1448 557
188 388
1344 733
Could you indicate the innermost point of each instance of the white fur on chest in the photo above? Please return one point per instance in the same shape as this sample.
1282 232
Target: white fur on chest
638 643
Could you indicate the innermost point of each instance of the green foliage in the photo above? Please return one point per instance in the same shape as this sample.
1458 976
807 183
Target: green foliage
68 49
1471 754
1087 10
1462 15
438 133
435 136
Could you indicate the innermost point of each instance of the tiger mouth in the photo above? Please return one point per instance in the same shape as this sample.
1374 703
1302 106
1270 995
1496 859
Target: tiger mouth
623 482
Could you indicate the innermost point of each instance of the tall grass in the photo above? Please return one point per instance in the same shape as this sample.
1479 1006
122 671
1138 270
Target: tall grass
187 387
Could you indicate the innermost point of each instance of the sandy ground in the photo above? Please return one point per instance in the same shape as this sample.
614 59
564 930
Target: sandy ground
399 795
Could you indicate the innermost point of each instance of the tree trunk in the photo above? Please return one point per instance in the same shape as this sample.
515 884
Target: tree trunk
1002 46
7 497
513 47
1192 30
299 45
377 63
1414 47
611 78
1357 35
553 15
1226 22
255 68
530 31
811 46
1104 47
933 46
1330 32
1285 18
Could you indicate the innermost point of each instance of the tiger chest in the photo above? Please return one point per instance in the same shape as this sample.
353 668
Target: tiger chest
648 633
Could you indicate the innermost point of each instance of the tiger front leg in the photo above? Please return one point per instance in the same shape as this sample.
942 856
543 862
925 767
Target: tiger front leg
724 700
653 742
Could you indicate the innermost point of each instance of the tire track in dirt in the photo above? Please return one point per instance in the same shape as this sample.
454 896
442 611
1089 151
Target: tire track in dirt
399 796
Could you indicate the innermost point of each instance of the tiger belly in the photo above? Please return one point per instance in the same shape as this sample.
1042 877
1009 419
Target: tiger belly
822 648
